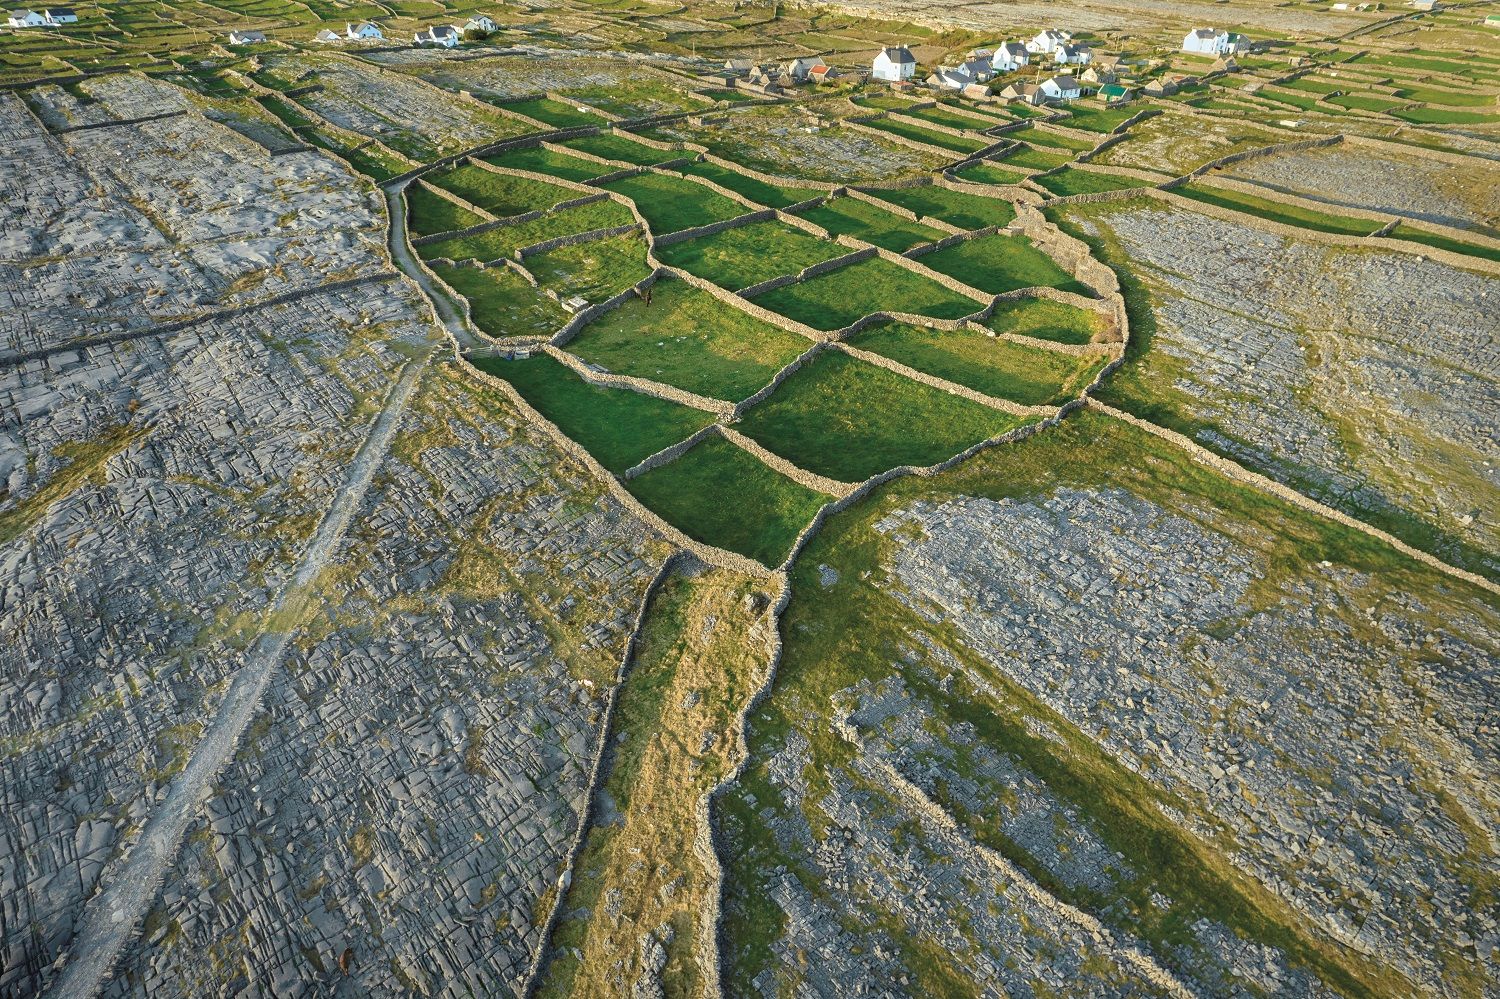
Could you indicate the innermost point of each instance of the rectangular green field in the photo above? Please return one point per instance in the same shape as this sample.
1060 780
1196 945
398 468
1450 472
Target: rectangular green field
554 113
836 299
1035 159
988 173
931 137
722 496
1074 181
1444 242
671 204
498 193
1031 376
967 211
617 147
1099 119
1045 319
848 420
429 214
1450 98
759 191
505 240
503 304
862 220
687 338
942 116
598 270
1440 116
999 263
1275 211
618 427
1035 136
749 254
546 161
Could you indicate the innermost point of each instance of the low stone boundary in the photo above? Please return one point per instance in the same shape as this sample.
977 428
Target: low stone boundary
597 767
804 478
669 454
808 272
788 370
575 239
1238 473
642 386
942 384
459 200
714 228
115 122
767 178
588 314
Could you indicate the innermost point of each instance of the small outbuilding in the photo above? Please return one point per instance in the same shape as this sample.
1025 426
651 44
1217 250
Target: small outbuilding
246 37
442 35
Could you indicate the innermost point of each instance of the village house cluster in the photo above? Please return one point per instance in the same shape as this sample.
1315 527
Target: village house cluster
443 35
52 17
1075 69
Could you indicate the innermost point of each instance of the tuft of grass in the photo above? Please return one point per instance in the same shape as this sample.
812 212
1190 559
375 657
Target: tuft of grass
687 338
848 420
1031 376
998 263
723 496
84 464
749 254
619 428
836 299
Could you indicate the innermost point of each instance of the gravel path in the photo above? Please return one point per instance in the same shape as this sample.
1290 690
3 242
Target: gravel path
112 916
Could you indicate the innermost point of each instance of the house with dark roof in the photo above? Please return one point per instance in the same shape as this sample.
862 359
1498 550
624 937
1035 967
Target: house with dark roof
894 64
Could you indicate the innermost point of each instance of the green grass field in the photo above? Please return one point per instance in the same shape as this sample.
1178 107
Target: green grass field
689 339
555 113
848 420
503 304
497 193
942 116
1031 376
834 300
430 214
1075 181
862 220
617 147
598 271
988 173
1415 235
999 263
723 496
671 204
1450 98
505 240
1045 320
1307 218
967 211
1439 116
931 137
1032 135
1036 159
749 254
1098 119
619 428
770 195
546 161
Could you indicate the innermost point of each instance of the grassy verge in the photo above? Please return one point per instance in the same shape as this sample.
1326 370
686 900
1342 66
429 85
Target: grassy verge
619 428
688 338
1403 231
723 496
1275 211
999 263
1031 376
833 300
848 420
749 254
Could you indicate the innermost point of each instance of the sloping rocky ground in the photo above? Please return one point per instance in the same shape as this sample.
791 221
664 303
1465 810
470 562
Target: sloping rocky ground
123 227
395 820
1369 378
1338 732
1451 194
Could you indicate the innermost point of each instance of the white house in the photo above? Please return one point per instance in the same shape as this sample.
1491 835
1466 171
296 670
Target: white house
1010 57
481 22
1072 55
25 19
1062 88
1214 42
801 68
60 15
977 70
894 64
1047 40
246 37
363 32
949 79
327 37
444 35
